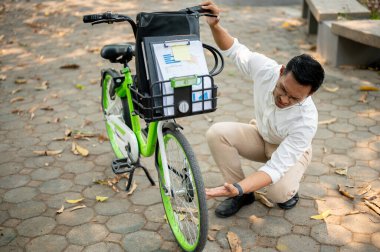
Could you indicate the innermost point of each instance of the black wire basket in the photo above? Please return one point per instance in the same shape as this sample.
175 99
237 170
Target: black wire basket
164 102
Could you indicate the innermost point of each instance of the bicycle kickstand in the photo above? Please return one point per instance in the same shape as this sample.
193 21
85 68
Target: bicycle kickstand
123 165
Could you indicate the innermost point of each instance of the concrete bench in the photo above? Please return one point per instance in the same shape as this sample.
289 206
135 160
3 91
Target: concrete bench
352 42
316 11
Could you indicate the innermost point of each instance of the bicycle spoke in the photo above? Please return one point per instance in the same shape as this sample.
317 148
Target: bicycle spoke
178 164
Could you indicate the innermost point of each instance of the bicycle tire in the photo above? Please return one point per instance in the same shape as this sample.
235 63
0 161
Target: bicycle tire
186 211
113 106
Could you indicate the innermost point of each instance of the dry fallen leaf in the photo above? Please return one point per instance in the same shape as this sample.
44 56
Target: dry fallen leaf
330 89
363 98
61 138
101 198
355 212
370 197
210 238
253 218
344 192
341 171
68 132
321 216
32 110
329 121
186 210
376 202
372 206
47 108
74 201
48 153
21 81
101 182
216 227
364 190
194 220
59 211
86 123
16 99
102 138
44 85
76 208
281 247
234 241
181 217
368 88
17 111
260 197
3 77
16 90
78 150
131 190
114 188
70 66
56 120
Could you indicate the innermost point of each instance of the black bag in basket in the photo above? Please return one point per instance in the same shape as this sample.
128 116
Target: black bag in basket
160 24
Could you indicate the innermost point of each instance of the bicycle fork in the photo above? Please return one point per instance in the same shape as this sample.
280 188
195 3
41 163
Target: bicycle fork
164 161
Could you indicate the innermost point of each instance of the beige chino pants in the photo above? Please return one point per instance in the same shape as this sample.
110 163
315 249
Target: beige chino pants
228 141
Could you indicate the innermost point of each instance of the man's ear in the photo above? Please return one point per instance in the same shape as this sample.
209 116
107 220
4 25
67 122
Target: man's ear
282 70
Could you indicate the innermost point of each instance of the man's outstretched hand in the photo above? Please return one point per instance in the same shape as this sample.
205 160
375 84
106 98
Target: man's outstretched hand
227 190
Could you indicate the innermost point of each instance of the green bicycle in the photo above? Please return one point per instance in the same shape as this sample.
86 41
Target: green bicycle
124 103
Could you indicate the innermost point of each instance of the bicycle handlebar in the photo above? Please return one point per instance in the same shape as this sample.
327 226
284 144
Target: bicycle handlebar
109 17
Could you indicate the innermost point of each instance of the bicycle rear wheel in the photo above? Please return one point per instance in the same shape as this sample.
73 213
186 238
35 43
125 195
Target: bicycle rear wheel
186 210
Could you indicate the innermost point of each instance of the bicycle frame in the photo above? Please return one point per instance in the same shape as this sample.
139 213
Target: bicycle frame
146 146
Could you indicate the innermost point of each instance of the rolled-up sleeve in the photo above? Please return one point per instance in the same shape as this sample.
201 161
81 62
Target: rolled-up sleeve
289 152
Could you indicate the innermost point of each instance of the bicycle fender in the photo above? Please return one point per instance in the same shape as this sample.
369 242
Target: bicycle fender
116 76
171 125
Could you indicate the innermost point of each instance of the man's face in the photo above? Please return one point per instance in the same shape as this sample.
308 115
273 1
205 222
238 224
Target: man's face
289 92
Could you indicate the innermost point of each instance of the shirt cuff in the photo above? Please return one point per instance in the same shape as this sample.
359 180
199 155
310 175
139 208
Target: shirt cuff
273 174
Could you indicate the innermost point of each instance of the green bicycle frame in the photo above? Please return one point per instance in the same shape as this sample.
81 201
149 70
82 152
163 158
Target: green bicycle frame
146 147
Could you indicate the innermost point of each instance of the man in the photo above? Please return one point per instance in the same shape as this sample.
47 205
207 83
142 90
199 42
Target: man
286 122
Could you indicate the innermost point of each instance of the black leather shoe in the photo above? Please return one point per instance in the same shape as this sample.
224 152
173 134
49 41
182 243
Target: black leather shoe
290 203
232 205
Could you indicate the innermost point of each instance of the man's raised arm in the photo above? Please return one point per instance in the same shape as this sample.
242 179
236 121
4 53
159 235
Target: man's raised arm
222 38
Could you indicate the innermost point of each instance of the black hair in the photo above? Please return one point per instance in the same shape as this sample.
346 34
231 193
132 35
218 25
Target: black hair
307 71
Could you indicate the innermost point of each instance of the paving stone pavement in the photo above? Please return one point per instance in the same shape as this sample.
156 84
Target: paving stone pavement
37 37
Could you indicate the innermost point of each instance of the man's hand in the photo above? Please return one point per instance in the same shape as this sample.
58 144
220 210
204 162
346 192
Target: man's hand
227 190
209 5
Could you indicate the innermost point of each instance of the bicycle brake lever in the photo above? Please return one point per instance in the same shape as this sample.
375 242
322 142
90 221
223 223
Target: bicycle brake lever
208 15
103 21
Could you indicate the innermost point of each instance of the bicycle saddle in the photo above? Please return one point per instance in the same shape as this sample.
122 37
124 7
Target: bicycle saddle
118 53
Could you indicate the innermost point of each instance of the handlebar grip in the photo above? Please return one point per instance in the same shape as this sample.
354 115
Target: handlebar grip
92 18
197 8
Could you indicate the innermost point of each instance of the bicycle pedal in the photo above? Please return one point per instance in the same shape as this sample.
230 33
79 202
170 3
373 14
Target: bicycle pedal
120 166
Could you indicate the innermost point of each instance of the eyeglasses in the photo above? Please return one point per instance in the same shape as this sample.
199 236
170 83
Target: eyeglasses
292 100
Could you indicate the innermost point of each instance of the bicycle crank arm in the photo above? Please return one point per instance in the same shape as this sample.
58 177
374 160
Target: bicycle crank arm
124 137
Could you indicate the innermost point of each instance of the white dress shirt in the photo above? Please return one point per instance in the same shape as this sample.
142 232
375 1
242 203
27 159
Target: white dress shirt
293 128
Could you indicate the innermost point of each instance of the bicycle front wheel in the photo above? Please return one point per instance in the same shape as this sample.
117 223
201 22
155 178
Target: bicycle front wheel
185 209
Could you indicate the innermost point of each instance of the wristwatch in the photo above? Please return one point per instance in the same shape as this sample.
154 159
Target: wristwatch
239 189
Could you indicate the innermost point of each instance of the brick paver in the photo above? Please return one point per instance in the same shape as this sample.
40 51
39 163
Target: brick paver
38 37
